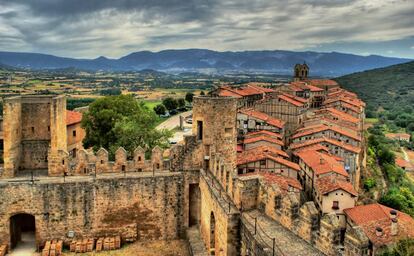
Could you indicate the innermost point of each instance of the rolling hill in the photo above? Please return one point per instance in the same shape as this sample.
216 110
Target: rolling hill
389 87
201 60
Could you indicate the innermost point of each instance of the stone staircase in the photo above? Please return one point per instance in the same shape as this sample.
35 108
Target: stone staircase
272 238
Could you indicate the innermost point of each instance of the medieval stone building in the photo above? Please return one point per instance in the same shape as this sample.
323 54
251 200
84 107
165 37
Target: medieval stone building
242 193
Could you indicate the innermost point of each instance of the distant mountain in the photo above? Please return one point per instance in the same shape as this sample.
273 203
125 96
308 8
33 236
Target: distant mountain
200 60
389 88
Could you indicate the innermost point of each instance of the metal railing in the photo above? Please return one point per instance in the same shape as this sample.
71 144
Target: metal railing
260 235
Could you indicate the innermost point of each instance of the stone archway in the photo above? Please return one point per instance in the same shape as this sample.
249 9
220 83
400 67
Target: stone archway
23 232
212 234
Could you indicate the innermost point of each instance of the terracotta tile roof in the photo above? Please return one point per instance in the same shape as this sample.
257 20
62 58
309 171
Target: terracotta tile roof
307 143
329 184
285 162
339 114
290 100
301 86
261 153
371 216
227 93
264 133
321 163
272 178
331 121
303 100
265 117
344 104
355 102
73 117
263 138
314 147
398 136
400 162
322 83
323 127
341 92
260 88
247 90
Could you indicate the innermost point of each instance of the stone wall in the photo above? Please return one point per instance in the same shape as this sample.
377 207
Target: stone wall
219 214
137 208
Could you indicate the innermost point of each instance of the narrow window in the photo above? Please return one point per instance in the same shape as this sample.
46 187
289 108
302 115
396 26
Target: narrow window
335 205
32 129
200 130
74 133
139 158
63 162
123 168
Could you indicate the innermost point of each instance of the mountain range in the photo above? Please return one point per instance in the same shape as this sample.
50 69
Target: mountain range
200 60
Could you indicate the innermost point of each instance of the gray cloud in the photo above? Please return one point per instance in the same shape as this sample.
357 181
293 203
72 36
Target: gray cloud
92 28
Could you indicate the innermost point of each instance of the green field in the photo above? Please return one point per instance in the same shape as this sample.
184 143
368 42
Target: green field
152 103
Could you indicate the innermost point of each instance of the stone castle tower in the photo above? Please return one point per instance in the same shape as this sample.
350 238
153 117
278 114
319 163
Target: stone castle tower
301 72
34 133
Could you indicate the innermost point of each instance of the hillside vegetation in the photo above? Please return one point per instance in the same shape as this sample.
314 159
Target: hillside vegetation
388 92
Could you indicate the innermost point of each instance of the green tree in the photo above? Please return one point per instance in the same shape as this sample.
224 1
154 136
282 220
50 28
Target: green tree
189 97
160 109
404 247
170 103
181 103
116 121
202 93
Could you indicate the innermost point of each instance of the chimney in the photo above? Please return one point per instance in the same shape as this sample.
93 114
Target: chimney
393 214
394 227
378 231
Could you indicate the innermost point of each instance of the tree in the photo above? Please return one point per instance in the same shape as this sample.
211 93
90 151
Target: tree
403 247
189 97
116 121
160 109
111 91
202 93
181 103
170 103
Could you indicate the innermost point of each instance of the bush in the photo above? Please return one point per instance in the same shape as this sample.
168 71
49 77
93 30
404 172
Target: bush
160 109
170 103
370 183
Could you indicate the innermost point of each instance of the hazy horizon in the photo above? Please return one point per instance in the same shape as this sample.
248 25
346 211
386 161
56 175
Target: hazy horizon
89 29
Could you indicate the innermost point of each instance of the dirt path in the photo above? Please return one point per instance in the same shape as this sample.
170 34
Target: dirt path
26 247
173 122
406 158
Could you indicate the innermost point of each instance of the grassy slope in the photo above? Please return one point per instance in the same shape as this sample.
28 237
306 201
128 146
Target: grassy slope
383 87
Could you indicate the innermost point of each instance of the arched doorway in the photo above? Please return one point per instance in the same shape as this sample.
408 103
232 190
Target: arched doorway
22 232
212 234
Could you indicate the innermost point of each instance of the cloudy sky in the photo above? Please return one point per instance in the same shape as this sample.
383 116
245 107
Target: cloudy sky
113 28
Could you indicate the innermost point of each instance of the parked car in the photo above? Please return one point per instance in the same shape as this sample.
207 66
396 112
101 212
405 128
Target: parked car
173 112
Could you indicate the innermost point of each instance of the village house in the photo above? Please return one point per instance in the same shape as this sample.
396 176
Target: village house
246 94
337 117
381 225
304 90
334 194
349 154
250 120
329 131
266 159
314 165
286 107
398 136
347 105
75 133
